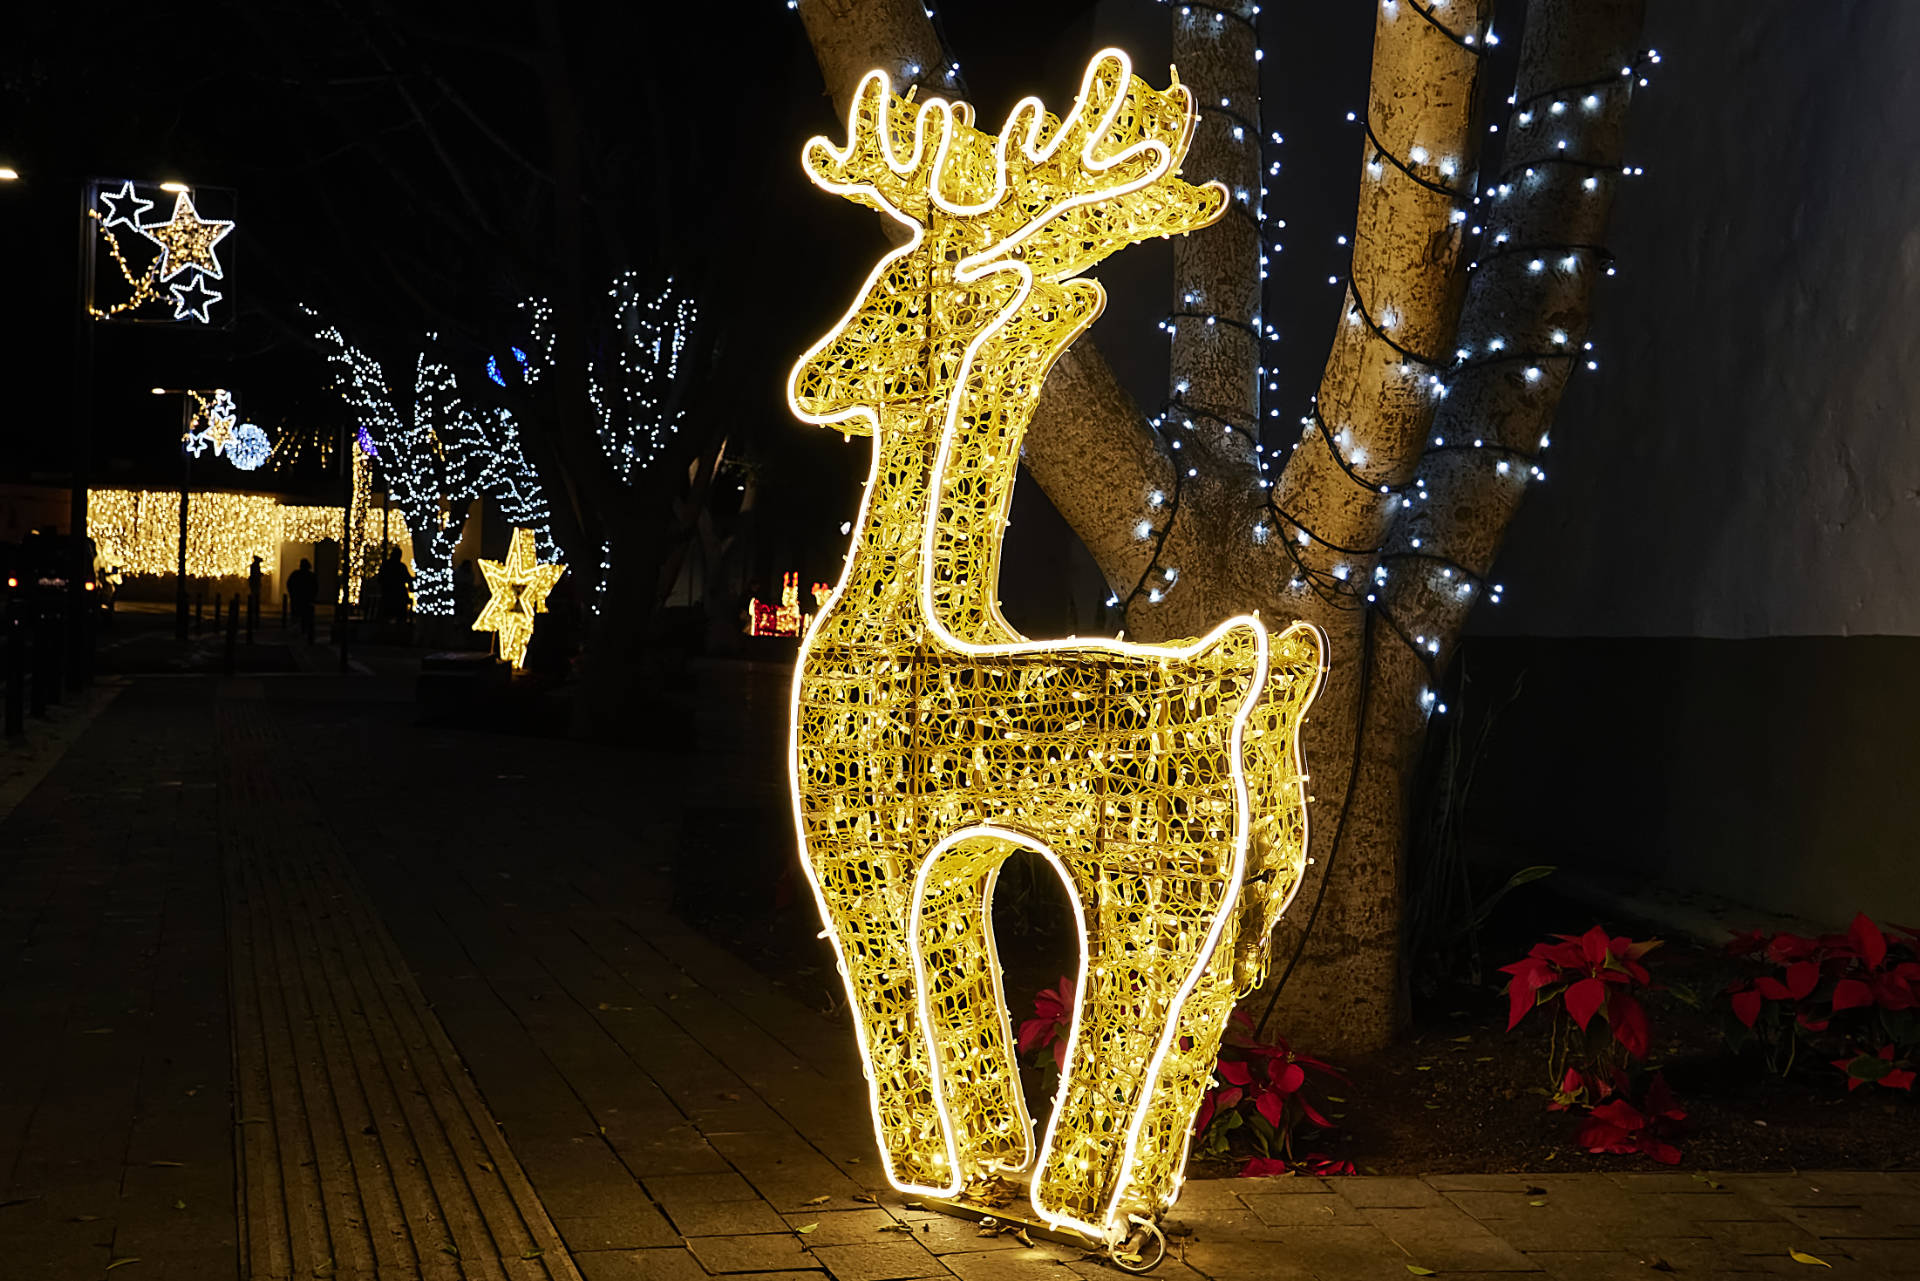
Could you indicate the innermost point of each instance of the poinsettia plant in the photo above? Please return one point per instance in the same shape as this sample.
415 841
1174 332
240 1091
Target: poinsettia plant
1585 985
1260 1089
1853 999
1645 1128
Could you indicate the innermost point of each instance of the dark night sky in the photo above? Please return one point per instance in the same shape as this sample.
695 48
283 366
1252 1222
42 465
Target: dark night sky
692 139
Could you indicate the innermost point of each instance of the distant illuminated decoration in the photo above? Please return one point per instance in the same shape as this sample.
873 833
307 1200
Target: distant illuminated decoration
931 740
138 531
162 268
519 587
244 445
784 619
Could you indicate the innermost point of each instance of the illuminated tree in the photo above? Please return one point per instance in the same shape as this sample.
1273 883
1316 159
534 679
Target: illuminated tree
1463 318
436 456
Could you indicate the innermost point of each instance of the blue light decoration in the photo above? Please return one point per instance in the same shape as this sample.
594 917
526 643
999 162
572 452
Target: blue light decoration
364 438
249 447
493 372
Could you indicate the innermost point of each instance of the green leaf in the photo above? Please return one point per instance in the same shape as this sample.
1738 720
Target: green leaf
1798 1257
1419 1271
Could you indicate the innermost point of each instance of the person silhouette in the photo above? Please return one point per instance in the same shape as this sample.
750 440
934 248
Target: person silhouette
302 587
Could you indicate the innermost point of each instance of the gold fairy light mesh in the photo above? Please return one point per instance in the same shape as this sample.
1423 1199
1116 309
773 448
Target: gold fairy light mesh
931 741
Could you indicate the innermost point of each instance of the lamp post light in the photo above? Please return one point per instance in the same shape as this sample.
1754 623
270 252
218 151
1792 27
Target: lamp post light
187 395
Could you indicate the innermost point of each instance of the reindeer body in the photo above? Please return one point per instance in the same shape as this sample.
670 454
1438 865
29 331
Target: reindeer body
931 741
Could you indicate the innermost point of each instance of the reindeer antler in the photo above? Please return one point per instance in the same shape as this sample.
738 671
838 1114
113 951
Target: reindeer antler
1060 195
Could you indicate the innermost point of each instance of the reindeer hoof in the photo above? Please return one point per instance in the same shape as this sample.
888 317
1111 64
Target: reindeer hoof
1140 1250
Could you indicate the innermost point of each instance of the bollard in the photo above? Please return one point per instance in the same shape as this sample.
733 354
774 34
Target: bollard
253 615
56 618
233 630
16 659
37 686
343 626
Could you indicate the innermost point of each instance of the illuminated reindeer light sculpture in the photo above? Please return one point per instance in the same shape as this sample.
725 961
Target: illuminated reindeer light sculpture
931 741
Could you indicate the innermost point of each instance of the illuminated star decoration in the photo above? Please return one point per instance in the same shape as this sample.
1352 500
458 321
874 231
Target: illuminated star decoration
118 203
193 299
519 588
187 240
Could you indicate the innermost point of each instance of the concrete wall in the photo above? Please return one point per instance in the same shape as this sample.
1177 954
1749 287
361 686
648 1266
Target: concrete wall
1715 597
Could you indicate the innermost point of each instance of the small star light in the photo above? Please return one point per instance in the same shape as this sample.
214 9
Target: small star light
187 240
519 588
193 299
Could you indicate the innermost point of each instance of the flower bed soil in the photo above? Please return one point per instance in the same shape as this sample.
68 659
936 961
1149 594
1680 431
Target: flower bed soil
1461 1093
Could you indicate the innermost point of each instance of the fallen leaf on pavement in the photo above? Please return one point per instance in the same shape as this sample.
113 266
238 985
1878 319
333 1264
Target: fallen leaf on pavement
1798 1257
1419 1271
131 1258
808 1227
896 1227
867 1197
819 1200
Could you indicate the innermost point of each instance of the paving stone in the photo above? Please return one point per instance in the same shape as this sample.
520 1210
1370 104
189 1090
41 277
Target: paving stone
1428 1223
1763 1238
637 1232
1451 1254
1222 1225
1803 1189
1341 1252
760 1253
1383 1192
637 1265
673 1189
840 1227
1232 1260
1282 1185
876 1261
1689 1255
952 1235
1042 1264
1305 1211
1713 1207
724 1218
1212 1194
1895 1258
1847 1221
1553 1229
1480 1182
1590 1265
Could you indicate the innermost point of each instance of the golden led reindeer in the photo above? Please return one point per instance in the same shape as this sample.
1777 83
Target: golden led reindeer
931 741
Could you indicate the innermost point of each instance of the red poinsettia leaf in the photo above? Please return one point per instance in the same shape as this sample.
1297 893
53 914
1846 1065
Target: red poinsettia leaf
1746 1007
1786 948
1287 1077
1204 1117
1661 1151
1261 1167
1573 1082
1867 940
1234 1072
1230 1096
1242 1018
1772 988
1595 946
1851 994
1742 944
1809 1021
1060 1054
1597 1135
1313 1115
1584 999
1629 1023
1620 1114
1272 1107
1660 1101
1893 992
1802 978
1035 1033
1520 999
1898 1079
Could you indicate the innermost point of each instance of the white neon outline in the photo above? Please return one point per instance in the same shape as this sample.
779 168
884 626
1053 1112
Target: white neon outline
970 269
111 200
203 311
184 200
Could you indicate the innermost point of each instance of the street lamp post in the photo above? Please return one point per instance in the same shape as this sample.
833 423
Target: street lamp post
186 487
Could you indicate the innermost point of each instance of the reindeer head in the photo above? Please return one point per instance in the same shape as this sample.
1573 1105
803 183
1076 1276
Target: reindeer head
998 225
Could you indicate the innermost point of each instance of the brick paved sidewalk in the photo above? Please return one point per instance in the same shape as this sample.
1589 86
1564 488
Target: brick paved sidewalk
675 1115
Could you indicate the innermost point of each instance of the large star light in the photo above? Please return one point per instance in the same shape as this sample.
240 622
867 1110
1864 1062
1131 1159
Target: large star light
519 586
187 240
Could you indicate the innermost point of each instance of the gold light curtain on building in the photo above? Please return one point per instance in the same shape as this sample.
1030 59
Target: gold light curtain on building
138 531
